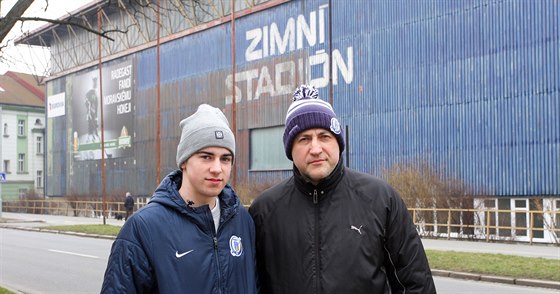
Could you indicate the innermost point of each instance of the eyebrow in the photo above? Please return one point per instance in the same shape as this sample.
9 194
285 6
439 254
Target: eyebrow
311 134
213 154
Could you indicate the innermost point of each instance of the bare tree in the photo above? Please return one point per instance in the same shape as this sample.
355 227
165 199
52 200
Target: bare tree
194 12
13 16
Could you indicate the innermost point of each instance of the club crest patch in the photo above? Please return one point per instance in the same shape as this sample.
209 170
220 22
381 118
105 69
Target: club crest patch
335 126
235 246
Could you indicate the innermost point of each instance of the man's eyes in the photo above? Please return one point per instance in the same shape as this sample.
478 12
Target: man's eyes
210 157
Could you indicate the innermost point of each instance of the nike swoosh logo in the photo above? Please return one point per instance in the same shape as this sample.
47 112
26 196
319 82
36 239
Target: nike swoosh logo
182 254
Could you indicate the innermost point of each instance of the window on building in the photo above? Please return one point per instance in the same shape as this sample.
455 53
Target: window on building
21 163
39 179
6 166
520 203
491 203
21 127
504 217
521 218
5 132
39 145
537 205
22 192
267 149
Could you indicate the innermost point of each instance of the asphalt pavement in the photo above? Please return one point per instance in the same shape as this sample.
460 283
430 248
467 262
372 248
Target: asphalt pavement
37 222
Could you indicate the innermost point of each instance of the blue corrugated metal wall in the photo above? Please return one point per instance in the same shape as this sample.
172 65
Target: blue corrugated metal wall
468 85
472 86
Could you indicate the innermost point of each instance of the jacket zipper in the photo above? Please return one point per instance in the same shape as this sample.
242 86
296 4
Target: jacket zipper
215 241
317 257
217 264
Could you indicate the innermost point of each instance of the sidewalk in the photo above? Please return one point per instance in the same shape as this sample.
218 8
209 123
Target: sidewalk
34 222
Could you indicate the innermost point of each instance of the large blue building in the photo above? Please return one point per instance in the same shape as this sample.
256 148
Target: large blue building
472 86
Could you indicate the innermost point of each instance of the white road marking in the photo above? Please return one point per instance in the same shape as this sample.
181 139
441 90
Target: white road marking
73 253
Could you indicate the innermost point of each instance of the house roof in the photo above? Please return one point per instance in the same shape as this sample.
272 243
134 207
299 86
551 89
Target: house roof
21 89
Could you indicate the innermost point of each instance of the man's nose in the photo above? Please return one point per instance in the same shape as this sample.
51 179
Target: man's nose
316 146
216 166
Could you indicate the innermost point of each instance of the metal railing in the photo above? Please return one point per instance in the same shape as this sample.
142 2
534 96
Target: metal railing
69 208
488 224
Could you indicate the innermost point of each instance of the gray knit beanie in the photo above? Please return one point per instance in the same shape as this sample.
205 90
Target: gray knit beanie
207 127
308 111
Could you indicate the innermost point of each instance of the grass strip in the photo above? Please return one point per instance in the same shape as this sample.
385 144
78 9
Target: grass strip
100 229
495 264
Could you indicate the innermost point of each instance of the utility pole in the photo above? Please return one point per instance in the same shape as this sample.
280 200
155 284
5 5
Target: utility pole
1 161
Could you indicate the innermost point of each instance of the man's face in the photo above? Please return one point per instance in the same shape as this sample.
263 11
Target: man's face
206 173
315 153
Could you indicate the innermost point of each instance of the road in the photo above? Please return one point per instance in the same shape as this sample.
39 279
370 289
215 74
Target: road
37 262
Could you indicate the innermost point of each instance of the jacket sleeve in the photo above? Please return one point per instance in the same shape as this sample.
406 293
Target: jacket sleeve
407 266
128 269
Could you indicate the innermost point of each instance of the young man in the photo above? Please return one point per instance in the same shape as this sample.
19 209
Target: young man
194 236
330 229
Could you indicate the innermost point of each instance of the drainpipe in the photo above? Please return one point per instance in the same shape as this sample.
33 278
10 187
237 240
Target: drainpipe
234 103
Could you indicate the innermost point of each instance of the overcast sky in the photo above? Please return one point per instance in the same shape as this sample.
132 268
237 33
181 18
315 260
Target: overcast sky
21 59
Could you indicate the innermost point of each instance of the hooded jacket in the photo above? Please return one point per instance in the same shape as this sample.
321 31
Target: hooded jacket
170 247
349 234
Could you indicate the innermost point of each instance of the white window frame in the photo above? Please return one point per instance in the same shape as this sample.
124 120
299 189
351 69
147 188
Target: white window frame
39 179
21 127
21 163
39 144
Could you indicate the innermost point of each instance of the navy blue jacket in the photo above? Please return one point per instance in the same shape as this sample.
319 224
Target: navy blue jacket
169 247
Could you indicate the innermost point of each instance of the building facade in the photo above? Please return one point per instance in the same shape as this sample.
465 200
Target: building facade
470 86
22 136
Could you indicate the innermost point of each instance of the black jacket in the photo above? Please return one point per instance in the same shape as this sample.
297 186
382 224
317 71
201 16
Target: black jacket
129 202
350 234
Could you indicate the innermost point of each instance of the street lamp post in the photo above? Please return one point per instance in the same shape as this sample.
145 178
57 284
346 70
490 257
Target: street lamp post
1 161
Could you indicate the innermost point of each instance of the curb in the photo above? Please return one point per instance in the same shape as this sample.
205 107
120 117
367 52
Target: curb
38 229
496 279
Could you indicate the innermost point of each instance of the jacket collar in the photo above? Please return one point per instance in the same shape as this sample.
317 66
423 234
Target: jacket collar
324 186
167 193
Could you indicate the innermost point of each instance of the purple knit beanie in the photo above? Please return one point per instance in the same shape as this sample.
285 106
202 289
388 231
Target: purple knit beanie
309 112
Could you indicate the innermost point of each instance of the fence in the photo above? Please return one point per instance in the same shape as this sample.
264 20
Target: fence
69 208
488 224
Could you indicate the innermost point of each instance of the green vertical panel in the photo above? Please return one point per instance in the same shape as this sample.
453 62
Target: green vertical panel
10 191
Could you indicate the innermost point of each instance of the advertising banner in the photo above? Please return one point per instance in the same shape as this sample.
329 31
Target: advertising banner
56 105
118 105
